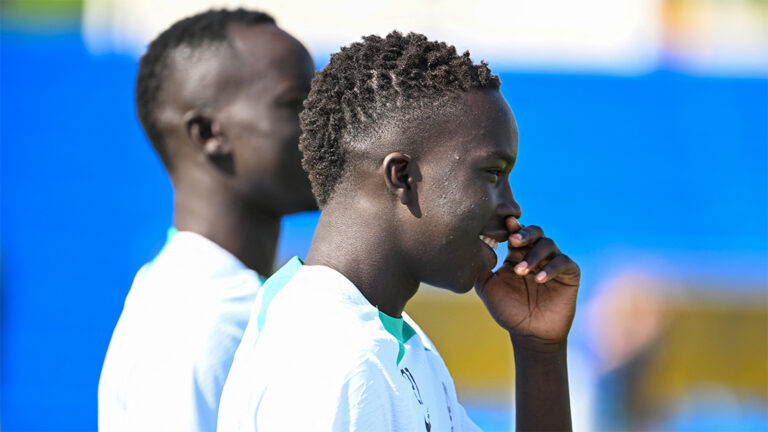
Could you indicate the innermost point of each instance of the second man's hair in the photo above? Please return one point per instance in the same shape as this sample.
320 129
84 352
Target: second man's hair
192 32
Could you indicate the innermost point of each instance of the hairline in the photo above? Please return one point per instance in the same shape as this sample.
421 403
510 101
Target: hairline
416 143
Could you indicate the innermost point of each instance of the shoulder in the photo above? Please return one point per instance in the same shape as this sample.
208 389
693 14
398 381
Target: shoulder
194 282
314 323
182 318
198 261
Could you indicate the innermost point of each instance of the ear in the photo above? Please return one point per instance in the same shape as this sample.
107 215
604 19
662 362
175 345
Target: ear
399 175
205 132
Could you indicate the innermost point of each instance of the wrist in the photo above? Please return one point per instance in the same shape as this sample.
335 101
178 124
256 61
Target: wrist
538 354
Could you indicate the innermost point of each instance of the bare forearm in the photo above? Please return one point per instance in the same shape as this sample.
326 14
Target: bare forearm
541 388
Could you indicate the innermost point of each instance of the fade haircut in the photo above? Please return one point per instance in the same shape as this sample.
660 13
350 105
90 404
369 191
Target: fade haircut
374 81
193 32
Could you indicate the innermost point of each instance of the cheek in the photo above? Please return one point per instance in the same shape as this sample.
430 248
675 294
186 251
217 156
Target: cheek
272 123
460 211
273 138
446 245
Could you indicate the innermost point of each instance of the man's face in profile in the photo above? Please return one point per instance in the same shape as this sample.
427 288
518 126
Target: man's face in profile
464 192
275 72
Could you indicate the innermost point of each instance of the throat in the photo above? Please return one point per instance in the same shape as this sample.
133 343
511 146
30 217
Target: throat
244 231
372 264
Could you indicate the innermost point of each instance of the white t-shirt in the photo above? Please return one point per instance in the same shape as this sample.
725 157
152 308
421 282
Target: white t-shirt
317 356
173 346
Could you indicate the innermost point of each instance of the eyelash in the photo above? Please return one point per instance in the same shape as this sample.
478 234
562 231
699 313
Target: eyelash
497 172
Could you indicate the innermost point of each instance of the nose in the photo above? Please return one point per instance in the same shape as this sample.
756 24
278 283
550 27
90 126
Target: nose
508 206
507 209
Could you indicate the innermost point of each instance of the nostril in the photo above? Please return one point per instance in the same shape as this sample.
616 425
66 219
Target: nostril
506 210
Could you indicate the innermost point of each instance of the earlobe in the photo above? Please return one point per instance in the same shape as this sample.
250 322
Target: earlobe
205 133
398 174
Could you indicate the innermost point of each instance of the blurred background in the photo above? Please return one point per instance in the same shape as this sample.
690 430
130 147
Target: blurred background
643 152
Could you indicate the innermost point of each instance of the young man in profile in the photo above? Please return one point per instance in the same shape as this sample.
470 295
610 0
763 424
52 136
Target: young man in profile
218 95
408 147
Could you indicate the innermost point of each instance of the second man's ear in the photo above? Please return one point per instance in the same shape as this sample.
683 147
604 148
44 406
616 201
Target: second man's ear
205 133
399 175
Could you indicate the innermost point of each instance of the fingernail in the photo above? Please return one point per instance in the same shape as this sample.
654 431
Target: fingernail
541 276
518 237
521 268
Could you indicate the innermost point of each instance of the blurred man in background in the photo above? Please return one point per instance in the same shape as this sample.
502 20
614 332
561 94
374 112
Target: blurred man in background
218 95
409 148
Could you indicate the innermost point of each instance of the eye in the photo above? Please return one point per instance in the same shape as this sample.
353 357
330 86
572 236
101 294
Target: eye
495 174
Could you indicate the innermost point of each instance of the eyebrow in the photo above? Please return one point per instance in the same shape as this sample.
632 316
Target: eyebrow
506 157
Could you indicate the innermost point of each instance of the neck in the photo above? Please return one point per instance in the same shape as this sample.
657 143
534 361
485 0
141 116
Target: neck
354 239
246 231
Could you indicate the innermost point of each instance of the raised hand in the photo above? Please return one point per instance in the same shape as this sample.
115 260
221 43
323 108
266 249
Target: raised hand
533 294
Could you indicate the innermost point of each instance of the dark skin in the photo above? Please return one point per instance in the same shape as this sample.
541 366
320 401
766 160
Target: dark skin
417 216
230 118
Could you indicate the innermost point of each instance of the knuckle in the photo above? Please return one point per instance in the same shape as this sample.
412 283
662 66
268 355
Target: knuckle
559 261
532 258
547 242
571 264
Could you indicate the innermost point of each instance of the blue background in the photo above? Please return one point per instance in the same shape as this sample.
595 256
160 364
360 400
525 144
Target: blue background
617 169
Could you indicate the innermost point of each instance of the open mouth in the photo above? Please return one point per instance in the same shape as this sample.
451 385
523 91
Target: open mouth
493 244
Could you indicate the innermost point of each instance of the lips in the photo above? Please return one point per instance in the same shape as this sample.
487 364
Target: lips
492 238
496 235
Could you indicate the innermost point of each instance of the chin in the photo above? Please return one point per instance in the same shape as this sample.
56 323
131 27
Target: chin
458 275
304 205
465 288
311 204
308 206
458 286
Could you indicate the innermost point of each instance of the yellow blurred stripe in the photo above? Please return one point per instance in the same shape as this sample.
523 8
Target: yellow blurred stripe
476 350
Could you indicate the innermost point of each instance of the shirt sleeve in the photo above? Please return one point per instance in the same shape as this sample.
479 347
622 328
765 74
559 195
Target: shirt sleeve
359 400
365 402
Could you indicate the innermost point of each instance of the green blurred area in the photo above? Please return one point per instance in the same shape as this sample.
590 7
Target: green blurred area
37 12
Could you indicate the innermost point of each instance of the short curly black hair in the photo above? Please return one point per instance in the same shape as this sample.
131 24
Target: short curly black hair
192 32
369 82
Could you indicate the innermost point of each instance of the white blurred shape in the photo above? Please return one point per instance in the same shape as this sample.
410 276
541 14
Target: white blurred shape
718 37
614 36
625 318
592 35
127 27
581 381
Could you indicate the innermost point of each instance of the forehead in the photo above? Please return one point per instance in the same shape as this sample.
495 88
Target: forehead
477 123
261 58
266 53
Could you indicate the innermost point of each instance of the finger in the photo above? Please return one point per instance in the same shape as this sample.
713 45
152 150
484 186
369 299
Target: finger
526 236
542 250
560 265
515 255
513 225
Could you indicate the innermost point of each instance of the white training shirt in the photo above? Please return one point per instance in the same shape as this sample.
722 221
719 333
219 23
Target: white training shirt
173 346
317 356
